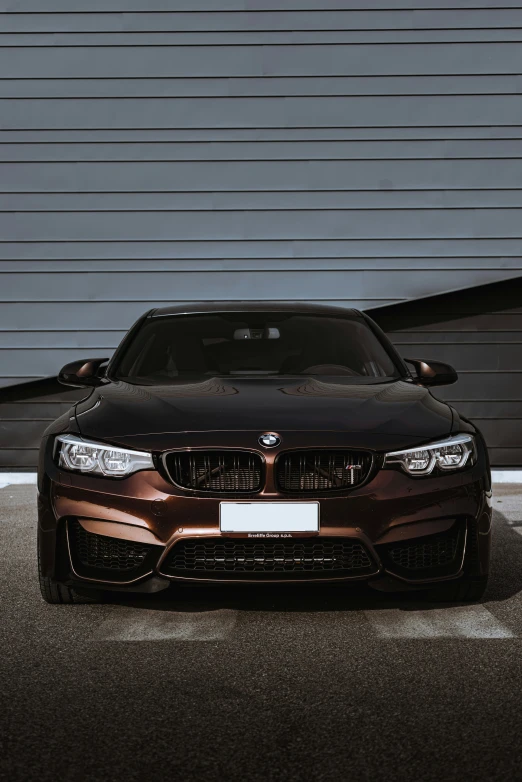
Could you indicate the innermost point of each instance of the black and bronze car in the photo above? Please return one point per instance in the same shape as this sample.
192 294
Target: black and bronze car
261 443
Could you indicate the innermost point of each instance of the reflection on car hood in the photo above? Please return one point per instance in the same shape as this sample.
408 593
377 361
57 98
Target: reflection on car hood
378 415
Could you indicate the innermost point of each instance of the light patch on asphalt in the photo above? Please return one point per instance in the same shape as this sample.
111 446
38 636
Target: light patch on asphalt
12 478
139 624
507 501
448 622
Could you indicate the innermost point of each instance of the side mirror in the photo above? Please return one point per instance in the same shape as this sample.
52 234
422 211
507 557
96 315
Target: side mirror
433 373
85 372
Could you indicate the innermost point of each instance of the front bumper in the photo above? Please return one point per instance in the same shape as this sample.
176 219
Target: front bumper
399 521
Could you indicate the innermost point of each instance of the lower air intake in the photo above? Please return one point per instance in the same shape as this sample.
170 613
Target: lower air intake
436 553
439 554
107 557
265 558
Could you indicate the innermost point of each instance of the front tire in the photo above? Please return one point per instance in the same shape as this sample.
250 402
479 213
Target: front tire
53 592
463 591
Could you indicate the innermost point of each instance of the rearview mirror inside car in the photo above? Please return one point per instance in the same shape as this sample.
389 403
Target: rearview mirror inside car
264 333
433 373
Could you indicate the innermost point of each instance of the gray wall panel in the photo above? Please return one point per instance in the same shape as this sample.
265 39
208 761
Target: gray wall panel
505 456
68 87
29 431
282 285
17 362
359 153
312 20
410 200
459 340
262 175
455 326
483 149
486 411
234 135
484 385
288 224
318 60
18 342
213 6
479 356
446 264
352 111
38 411
501 434
404 250
266 38
21 458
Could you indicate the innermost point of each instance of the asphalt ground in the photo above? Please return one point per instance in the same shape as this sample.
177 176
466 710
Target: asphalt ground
259 683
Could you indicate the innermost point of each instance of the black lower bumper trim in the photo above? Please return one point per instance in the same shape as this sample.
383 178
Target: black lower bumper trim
429 557
104 559
295 559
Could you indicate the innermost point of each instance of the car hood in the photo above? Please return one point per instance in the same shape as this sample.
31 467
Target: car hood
378 415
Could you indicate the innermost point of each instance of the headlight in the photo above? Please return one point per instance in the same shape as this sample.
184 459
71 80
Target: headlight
99 459
451 454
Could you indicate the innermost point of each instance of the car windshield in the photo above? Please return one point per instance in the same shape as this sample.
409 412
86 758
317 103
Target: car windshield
254 343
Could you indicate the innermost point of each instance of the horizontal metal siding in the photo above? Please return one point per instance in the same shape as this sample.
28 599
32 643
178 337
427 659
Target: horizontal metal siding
251 175
325 286
403 250
238 112
296 59
22 424
178 86
213 6
280 224
94 151
313 19
487 351
353 153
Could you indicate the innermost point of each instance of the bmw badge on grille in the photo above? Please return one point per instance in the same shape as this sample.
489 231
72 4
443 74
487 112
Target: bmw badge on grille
269 440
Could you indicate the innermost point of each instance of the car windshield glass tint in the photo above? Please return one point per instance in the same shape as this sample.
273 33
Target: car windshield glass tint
254 343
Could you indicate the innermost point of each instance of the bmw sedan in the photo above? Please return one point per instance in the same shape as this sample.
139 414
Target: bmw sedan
261 443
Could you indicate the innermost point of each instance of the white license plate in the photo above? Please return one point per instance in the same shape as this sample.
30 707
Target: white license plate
269 516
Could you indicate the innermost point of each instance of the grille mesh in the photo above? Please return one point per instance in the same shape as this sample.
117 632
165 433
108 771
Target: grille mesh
207 557
216 471
436 552
311 471
101 552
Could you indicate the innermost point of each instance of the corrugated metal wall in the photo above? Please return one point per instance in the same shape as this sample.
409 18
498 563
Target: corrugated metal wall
361 153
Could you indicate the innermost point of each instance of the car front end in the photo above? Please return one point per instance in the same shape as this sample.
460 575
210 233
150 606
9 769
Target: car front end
260 479
376 521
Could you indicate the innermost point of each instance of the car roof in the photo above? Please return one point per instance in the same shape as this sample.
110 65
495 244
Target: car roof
301 308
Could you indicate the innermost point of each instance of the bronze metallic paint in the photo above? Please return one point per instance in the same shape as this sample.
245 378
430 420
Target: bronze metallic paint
305 413
123 531
390 507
